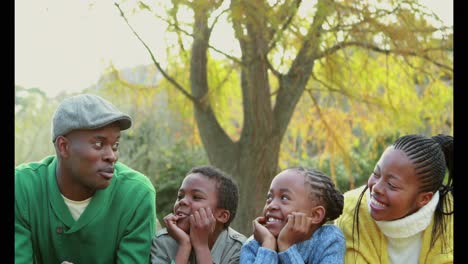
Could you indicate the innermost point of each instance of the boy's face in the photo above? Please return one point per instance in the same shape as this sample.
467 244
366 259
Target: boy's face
196 191
288 193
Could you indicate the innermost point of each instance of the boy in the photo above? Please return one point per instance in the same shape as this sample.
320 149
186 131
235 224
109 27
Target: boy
197 230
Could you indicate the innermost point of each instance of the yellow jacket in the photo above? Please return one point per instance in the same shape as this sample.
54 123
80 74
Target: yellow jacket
372 242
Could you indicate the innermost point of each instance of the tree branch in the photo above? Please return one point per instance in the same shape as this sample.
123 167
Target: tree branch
331 132
288 17
292 84
344 92
164 73
375 48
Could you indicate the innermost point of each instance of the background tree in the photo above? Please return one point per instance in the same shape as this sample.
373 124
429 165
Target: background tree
32 126
370 57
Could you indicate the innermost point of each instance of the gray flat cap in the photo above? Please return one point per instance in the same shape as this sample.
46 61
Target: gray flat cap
86 111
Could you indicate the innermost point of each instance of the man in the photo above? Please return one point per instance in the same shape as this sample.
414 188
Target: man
81 205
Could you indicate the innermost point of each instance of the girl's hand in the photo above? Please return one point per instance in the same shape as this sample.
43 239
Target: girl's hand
299 227
262 234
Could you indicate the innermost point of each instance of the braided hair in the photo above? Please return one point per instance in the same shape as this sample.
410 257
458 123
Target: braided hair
323 189
430 157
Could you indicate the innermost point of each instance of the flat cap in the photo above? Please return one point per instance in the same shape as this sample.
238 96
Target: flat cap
86 111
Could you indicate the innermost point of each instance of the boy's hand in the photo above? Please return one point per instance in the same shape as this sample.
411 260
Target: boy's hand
174 231
262 234
202 225
298 228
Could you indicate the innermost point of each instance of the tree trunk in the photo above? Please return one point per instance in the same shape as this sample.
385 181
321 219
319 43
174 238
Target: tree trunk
257 167
263 29
253 160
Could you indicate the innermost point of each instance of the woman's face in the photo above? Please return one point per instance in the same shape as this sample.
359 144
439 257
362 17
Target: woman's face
394 187
288 193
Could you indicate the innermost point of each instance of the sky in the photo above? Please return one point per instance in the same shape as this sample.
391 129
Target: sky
63 45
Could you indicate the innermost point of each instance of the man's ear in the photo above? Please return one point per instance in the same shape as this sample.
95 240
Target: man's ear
424 198
317 214
222 215
62 146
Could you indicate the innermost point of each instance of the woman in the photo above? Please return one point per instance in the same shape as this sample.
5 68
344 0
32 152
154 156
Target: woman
405 212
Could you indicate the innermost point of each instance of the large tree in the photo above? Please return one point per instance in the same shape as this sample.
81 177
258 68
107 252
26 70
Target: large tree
290 49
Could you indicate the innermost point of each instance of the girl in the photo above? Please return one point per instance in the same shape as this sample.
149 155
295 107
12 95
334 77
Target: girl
292 228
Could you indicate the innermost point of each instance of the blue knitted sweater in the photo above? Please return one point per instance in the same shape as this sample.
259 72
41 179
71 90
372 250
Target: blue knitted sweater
326 245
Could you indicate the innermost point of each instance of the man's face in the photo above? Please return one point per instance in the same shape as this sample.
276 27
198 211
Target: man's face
88 159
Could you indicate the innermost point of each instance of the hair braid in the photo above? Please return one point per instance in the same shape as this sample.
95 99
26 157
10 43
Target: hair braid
431 157
323 189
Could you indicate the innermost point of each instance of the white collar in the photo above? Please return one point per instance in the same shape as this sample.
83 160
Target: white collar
411 224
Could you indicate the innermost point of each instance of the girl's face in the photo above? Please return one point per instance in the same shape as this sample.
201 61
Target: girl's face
288 193
196 191
394 187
